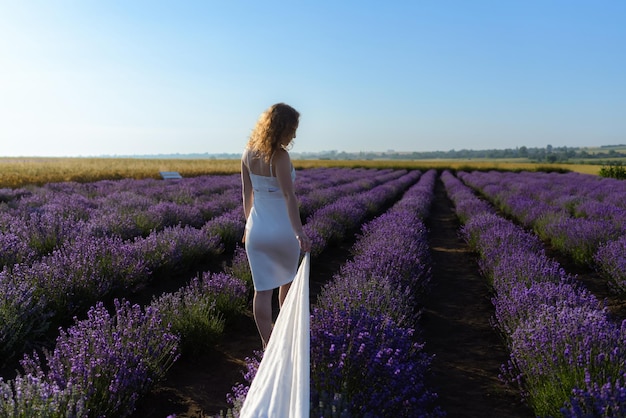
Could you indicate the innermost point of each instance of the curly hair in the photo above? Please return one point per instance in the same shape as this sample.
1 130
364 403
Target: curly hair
271 127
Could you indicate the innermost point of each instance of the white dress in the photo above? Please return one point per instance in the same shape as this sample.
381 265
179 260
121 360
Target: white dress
272 248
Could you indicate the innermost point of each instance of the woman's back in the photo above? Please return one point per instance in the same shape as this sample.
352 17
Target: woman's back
262 173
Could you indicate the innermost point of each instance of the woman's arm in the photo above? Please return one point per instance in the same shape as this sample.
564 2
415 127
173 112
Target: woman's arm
246 188
282 163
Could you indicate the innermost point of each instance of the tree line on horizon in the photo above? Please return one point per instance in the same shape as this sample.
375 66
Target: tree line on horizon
548 154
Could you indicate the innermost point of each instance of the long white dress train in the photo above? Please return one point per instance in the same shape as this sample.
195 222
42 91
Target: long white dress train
281 387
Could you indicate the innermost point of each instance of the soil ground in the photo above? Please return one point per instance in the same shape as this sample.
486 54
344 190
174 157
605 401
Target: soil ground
456 329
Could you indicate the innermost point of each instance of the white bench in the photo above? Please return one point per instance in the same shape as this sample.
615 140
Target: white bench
170 175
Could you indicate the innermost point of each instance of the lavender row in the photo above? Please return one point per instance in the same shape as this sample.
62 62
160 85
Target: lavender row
99 367
104 364
331 223
581 215
566 355
190 322
84 271
35 221
365 360
314 197
42 219
88 267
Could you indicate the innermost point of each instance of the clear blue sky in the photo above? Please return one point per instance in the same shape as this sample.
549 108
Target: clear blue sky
89 78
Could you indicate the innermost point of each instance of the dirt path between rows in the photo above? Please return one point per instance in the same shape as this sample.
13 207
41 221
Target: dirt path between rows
455 328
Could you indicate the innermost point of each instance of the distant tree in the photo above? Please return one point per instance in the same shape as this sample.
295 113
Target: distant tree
614 169
523 152
539 154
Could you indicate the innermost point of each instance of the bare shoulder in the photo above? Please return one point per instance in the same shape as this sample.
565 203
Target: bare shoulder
281 156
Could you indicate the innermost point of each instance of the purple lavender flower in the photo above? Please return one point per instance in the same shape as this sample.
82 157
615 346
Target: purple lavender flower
560 336
109 360
229 293
349 348
24 315
606 399
611 260
240 266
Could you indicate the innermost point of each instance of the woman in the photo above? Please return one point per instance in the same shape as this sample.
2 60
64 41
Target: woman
274 236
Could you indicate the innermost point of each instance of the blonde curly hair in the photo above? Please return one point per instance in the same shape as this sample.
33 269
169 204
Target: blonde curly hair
272 126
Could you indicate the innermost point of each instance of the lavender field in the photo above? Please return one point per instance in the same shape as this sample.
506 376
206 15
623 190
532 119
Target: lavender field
106 286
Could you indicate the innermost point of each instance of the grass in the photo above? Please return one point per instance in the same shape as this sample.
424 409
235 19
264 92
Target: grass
20 172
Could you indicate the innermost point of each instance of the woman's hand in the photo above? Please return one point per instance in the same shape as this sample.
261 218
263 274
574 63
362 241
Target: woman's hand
305 242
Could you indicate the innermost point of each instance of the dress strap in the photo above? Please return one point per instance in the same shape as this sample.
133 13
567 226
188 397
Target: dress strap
271 160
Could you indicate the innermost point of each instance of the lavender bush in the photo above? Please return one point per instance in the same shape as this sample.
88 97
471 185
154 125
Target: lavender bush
598 400
374 365
339 184
513 299
229 292
611 260
100 365
198 312
579 238
563 345
331 223
31 396
193 316
14 250
363 326
176 246
24 315
390 269
229 227
240 267
557 346
576 213
81 272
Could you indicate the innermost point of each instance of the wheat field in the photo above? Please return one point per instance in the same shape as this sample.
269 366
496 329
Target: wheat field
20 172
